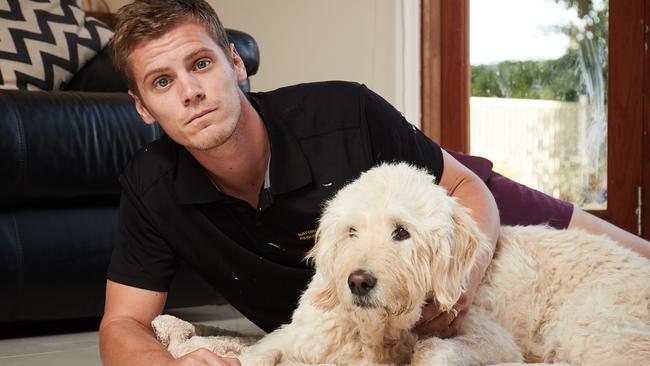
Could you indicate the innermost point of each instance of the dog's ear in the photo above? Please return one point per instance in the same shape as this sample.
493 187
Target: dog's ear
454 258
322 292
322 289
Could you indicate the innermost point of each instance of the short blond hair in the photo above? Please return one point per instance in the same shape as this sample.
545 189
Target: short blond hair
145 20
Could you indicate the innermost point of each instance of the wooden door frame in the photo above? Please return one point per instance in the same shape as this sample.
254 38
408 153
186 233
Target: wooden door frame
446 90
645 156
445 72
625 111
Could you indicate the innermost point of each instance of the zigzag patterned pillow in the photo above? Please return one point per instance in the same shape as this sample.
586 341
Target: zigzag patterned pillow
43 43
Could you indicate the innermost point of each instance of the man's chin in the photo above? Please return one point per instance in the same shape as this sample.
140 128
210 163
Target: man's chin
208 140
204 147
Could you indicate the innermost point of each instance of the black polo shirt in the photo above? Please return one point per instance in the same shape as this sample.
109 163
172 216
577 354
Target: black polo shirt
322 136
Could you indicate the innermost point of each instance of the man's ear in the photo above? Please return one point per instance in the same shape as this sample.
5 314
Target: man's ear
142 109
238 64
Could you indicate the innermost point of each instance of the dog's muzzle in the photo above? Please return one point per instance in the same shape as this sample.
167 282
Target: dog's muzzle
361 282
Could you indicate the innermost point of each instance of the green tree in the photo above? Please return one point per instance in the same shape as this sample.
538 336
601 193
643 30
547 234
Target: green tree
552 79
564 79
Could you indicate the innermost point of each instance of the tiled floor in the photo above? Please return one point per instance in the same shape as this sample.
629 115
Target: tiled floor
81 349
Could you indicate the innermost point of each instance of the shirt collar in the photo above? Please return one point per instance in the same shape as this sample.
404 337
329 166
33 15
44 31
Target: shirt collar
289 169
191 182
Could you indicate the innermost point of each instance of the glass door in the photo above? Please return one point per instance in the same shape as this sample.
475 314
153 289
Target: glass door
538 106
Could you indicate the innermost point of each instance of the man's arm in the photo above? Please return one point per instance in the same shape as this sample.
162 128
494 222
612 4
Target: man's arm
125 334
472 193
598 226
126 337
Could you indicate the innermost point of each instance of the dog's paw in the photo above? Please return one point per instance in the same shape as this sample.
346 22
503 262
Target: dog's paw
442 352
461 351
170 330
269 357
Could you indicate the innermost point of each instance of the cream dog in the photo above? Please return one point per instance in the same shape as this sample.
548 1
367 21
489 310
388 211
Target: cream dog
392 239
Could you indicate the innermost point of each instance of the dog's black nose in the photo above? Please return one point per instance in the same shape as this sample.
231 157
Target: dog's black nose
361 282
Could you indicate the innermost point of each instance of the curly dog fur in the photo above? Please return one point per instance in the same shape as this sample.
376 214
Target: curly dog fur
548 296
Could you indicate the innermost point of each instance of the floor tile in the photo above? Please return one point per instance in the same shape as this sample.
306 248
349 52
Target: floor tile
82 348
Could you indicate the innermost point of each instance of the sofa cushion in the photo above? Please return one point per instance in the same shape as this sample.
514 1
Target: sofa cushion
44 43
65 147
98 75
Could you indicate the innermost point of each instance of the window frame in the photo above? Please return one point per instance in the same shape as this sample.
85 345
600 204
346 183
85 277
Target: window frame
446 78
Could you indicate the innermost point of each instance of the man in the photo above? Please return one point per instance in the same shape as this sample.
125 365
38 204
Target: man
236 185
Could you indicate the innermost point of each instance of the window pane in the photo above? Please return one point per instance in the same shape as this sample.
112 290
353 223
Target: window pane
539 86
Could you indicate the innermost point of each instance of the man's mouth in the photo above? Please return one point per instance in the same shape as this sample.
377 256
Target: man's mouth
199 115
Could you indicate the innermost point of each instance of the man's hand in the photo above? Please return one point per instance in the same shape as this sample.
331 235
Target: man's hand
203 357
435 322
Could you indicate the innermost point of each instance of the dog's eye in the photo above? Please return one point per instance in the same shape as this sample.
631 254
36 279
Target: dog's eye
352 232
400 233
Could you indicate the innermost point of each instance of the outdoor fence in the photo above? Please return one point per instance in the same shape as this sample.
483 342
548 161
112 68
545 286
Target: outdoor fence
547 145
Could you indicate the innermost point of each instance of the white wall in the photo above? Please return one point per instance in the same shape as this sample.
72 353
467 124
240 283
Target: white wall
375 42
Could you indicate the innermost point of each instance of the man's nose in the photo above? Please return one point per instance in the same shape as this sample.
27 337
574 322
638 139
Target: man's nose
192 90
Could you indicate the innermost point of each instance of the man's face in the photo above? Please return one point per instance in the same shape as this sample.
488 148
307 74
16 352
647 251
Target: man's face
188 86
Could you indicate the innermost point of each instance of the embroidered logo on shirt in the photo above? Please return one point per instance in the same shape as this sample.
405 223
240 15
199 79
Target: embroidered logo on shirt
307 234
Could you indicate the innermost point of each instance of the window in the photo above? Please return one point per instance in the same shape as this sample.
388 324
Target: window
446 90
538 94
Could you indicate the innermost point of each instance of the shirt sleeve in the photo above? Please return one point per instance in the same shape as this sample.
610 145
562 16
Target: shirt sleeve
394 139
141 258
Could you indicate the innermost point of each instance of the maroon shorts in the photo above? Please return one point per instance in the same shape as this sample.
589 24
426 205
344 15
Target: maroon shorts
518 204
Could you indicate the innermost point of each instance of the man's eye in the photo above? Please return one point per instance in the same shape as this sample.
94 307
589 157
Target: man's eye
202 64
162 83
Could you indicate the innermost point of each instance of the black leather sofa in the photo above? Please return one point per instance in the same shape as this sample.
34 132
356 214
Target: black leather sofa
60 155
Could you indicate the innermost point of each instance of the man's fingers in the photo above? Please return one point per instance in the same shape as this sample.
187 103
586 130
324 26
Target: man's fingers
430 311
205 357
213 359
444 325
432 326
446 333
450 330
230 361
